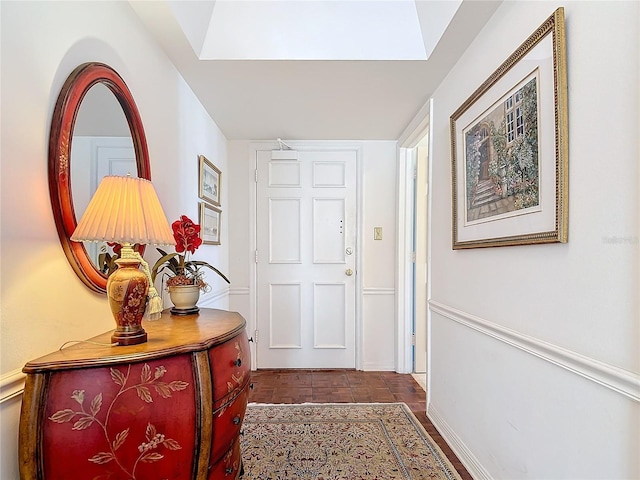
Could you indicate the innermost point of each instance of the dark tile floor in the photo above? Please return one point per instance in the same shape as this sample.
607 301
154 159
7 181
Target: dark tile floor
348 386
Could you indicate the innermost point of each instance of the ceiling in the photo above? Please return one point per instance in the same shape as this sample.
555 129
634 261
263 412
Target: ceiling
314 69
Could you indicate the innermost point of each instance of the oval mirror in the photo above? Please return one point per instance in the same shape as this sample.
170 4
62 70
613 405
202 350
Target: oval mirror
101 145
95 109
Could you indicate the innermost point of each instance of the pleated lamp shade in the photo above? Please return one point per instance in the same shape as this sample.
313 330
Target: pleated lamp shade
124 210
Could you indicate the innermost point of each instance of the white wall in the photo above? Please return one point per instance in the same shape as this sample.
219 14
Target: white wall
240 181
42 302
378 164
534 349
378 256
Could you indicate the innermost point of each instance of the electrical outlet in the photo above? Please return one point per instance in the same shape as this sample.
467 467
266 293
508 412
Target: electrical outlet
377 233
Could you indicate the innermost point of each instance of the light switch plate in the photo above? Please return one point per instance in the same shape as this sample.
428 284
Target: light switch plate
377 233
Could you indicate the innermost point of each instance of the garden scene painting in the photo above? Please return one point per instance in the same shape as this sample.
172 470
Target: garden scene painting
501 158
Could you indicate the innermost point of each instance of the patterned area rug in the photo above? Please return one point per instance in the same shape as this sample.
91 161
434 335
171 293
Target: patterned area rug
345 441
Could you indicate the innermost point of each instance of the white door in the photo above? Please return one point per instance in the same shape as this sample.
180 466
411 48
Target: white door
114 156
93 158
306 234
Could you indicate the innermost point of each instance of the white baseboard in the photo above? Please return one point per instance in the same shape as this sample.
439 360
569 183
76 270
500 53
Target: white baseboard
471 463
378 367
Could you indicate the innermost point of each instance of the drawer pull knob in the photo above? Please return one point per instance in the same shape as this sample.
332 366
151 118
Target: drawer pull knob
228 471
236 420
238 362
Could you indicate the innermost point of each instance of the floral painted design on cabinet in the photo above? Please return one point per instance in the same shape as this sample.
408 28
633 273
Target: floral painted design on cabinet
230 370
117 431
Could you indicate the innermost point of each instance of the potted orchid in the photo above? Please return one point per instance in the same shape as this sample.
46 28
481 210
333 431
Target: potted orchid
185 276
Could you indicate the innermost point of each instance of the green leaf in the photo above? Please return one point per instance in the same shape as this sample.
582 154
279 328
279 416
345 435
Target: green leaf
102 262
169 262
166 261
200 263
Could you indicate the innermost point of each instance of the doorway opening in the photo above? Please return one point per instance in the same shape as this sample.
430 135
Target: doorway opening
419 285
413 281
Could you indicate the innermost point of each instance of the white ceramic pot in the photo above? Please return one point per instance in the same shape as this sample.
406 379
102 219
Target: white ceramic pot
185 298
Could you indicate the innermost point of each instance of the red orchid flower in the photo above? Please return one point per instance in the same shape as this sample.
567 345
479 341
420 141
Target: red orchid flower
186 234
180 270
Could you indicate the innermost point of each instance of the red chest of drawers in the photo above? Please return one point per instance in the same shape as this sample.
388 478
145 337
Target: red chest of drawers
171 408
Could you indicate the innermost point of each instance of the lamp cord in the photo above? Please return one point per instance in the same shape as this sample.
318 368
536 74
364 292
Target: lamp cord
89 341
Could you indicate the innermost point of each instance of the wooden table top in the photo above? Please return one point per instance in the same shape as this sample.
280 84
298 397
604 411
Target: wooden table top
167 336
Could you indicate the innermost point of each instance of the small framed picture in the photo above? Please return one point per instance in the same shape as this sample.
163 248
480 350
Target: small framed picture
210 223
210 181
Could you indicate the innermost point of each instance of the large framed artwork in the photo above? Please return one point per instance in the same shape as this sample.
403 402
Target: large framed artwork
210 181
210 223
509 149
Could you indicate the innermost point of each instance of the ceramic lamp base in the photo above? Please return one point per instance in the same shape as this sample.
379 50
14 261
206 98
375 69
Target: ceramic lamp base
127 290
129 338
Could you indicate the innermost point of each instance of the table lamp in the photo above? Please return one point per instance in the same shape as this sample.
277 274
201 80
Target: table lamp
126 210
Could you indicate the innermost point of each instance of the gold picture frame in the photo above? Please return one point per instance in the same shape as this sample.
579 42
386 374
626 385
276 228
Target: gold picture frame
210 224
210 181
509 149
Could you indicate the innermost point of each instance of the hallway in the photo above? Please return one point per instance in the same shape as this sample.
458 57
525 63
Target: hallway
348 386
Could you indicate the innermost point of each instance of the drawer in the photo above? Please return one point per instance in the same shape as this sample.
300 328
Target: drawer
229 466
230 368
227 422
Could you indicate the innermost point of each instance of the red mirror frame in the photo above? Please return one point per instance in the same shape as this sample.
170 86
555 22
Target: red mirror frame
62 125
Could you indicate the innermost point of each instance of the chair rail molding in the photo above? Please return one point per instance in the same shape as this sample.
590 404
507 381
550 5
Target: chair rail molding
617 379
378 291
11 385
212 298
239 291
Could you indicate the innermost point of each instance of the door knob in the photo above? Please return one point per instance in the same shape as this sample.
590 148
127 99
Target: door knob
349 272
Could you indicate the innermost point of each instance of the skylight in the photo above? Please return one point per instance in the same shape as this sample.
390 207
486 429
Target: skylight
314 29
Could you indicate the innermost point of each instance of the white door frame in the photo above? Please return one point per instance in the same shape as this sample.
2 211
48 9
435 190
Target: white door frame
254 147
417 129
420 244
